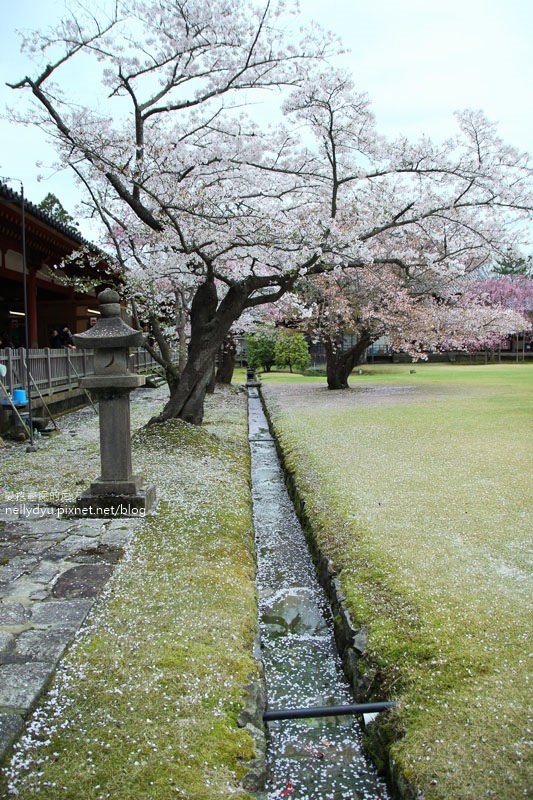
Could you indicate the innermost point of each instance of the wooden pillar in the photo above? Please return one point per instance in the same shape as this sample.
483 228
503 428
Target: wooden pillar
32 308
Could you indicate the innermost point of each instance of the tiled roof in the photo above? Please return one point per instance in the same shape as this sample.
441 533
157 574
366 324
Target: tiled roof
43 216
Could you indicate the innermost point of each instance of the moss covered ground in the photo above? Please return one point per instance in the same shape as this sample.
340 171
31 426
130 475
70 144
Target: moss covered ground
418 486
146 700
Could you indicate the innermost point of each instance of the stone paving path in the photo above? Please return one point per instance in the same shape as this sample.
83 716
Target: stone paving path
51 571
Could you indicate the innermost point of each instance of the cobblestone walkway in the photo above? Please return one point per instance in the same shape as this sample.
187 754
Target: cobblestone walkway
51 571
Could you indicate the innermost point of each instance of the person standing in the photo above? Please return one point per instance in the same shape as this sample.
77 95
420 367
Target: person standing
67 340
55 338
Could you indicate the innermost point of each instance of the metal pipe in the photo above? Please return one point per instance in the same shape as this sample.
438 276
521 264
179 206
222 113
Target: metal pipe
326 711
43 401
78 376
26 322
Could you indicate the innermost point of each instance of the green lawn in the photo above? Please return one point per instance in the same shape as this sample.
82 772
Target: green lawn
146 701
418 487
277 376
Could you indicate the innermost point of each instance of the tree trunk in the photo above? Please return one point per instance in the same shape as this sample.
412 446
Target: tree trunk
212 379
164 356
226 360
209 328
181 330
172 377
172 374
339 363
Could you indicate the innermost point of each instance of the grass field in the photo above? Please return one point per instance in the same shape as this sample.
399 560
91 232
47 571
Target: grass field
146 701
418 487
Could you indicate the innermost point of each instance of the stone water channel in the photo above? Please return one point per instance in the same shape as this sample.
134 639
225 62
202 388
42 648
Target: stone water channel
307 759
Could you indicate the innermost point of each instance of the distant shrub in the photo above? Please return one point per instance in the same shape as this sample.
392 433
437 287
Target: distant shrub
292 351
260 349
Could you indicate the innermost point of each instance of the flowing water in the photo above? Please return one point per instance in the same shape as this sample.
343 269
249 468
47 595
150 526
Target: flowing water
308 759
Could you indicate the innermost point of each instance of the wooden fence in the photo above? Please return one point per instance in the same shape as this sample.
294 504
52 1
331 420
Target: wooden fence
53 370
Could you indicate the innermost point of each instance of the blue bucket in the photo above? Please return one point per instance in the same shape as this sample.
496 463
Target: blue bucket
19 396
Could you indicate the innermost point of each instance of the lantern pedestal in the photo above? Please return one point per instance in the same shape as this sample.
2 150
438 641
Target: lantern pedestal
117 491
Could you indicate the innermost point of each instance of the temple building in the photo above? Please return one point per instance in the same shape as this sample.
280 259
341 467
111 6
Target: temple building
50 305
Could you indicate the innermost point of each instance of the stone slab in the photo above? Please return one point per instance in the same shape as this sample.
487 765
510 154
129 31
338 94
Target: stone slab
117 537
85 580
61 613
24 562
10 728
50 524
49 538
43 645
42 594
21 684
6 641
38 546
9 549
21 589
12 614
90 528
126 505
46 571
69 547
101 553
10 572
113 383
16 530
102 488
23 510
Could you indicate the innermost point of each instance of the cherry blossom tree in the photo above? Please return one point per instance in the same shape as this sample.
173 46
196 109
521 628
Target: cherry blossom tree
429 217
465 322
158 144
510 291
413 317
246 215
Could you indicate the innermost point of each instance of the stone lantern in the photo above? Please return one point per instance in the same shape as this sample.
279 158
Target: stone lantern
117 489
251 378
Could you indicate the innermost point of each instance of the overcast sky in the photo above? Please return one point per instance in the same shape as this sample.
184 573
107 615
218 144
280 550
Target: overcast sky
419 60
